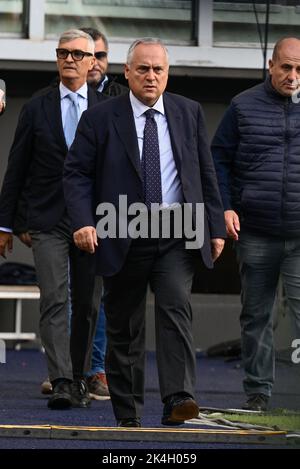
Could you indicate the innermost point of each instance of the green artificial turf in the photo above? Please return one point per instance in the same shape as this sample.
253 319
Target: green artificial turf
279 419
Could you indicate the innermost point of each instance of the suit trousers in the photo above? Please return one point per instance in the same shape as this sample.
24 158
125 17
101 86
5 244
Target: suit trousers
56 259
169 268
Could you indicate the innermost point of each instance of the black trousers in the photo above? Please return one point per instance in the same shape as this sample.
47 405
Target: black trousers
169 268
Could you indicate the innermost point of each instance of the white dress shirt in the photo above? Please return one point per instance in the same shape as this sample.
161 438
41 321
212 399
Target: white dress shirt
102 84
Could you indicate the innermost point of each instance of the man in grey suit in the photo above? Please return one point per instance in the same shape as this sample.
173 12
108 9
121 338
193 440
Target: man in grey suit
151 148
44 133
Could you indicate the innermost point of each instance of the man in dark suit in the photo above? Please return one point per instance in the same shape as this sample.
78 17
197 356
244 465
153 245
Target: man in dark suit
98 77
106 84
45 130
151 147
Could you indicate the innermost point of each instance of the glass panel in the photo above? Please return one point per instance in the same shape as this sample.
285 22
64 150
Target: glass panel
171 20
235 22
12 18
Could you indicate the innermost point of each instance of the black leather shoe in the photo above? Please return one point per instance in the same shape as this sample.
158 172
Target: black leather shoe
179 408
130 422
80 394
61 397
257 403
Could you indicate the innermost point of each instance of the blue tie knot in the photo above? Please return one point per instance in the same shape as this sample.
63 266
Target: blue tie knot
150 113
73 97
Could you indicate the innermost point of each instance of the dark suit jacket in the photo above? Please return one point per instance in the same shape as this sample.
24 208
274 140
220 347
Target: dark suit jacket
38 152
112 88
104 162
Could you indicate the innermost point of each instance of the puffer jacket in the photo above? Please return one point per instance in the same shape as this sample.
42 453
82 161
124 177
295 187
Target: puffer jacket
256 151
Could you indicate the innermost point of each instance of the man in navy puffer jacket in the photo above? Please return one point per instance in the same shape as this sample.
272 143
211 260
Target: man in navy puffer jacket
256 151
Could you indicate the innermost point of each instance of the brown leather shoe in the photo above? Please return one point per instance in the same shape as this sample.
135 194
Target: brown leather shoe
179 408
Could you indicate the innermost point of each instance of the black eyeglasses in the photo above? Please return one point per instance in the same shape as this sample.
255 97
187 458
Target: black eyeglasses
100 55
76 54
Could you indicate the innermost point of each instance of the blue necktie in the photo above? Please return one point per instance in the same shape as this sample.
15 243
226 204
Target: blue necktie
151 161
71 120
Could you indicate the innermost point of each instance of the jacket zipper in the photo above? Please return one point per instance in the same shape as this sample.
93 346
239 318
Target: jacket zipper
285 161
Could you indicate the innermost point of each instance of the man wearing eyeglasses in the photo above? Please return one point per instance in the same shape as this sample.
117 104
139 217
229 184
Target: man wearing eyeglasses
45 132
97 77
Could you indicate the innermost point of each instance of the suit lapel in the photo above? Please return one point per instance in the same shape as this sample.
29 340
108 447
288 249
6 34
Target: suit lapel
53 114
175 127
125 127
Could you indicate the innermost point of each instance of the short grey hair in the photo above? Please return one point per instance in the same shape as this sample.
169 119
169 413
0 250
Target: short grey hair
72 34
145 40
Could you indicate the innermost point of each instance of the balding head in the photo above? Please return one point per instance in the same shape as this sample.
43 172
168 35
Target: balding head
284 67
284 41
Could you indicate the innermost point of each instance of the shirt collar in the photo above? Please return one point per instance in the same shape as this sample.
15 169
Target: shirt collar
64 91
102 84
139 108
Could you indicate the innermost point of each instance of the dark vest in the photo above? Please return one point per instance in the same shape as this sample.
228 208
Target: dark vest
267 166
